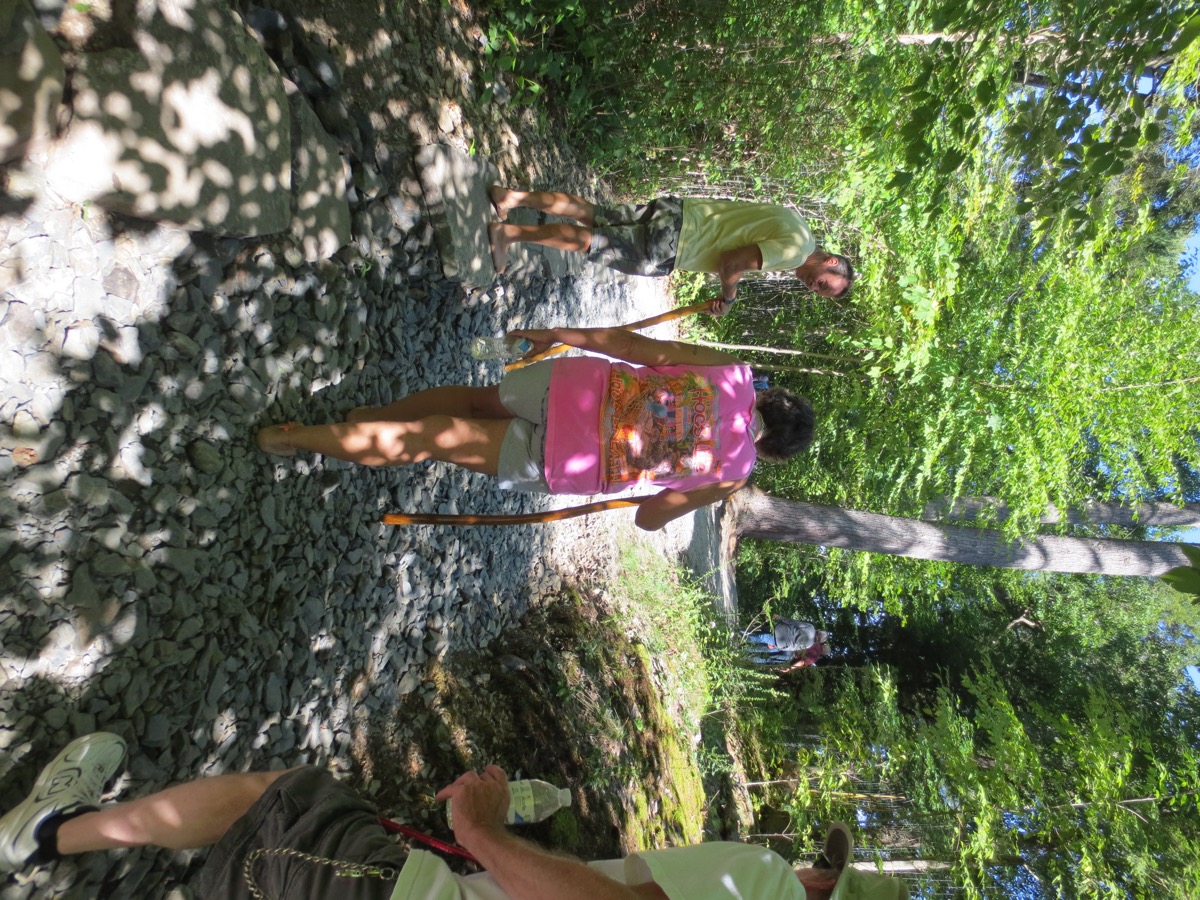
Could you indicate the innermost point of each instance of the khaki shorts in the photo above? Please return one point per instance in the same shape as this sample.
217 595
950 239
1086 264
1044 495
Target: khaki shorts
304 812
525 393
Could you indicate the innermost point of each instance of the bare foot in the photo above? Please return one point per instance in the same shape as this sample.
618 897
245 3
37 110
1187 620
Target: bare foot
274 439
503 200
500 244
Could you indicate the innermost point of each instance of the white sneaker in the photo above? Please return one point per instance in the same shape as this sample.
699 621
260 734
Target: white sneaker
74 778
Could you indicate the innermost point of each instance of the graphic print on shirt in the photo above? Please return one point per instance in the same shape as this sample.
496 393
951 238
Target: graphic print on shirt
659 426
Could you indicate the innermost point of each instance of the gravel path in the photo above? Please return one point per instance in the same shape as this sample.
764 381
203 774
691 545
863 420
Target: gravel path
164 580
219 609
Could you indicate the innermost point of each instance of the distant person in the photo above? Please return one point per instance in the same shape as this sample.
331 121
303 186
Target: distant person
302 835
790 641
726 237
679 417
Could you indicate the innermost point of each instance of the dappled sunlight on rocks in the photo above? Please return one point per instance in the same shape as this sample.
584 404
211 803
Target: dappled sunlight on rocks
195 116
168 132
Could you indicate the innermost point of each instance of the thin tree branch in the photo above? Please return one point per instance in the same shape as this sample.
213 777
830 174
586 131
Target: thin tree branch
1151 384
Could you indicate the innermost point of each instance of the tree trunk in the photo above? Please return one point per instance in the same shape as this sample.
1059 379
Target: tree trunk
1160 515
759 515
1044 46
1041 36
906 866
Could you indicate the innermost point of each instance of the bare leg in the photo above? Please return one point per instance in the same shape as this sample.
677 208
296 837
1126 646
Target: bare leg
553 202
561 235
457 400
194 814
471 443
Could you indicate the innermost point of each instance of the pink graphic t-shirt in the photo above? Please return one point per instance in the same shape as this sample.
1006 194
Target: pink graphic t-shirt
611 426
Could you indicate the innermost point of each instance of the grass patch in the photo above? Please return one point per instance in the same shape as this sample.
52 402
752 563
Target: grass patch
729 706
619 695
570 698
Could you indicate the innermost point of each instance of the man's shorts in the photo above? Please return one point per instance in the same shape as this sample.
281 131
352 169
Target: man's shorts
306 812
638 239
525 393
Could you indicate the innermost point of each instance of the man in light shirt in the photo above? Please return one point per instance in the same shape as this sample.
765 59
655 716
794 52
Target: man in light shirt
302 835
725 237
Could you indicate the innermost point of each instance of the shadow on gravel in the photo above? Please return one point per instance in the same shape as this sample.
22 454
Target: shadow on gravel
217 608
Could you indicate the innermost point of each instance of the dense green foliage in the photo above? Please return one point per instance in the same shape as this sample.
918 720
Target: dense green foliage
1015 184
1028 737
1003 799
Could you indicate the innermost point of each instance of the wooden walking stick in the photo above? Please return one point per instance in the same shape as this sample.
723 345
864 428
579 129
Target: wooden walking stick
668 316
550 515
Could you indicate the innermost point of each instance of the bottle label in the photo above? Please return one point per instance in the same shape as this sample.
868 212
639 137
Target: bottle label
521 807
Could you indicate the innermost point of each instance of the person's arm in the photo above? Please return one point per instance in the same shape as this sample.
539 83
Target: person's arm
523 870
628 346
669 505
797 664
733 264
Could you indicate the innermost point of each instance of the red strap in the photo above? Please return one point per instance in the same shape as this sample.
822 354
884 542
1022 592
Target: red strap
410 832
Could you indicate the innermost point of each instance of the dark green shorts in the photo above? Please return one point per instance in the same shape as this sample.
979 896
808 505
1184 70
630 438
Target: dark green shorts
638 239
305 813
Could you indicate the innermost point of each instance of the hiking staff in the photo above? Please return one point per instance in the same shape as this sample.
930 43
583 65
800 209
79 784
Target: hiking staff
549 515
668 316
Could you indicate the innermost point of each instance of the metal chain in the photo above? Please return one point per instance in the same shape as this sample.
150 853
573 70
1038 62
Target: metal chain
341 867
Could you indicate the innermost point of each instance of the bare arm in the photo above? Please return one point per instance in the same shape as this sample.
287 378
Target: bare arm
628 346
526 872
523 870
732 266
797 664
669 505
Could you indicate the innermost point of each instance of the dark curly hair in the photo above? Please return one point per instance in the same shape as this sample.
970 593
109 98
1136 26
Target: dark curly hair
845 269
788 424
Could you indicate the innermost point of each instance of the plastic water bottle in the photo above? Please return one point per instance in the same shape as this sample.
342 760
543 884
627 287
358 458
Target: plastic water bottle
500 347
529 801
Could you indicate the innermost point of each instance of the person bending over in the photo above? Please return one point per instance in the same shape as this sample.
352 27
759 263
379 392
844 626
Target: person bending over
725 237
302 835
668 414
790 641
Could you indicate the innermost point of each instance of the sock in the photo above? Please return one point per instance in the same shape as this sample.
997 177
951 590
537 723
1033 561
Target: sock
47 834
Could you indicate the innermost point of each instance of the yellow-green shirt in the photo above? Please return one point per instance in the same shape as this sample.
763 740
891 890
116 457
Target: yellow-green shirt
714 871
710 227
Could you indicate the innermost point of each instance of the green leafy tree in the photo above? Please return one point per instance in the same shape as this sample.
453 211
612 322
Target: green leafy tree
1080 802
1081 90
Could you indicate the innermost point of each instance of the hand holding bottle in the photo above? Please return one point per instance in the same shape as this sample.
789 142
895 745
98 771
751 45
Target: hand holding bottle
509 346
541 339
529 800
482 799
